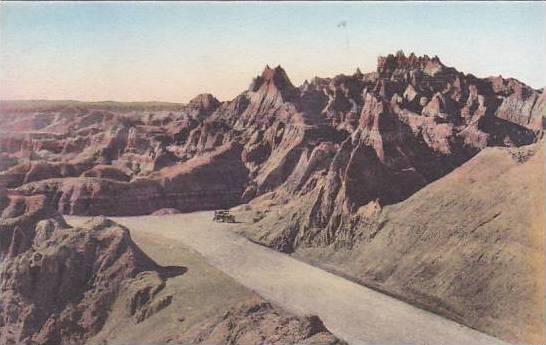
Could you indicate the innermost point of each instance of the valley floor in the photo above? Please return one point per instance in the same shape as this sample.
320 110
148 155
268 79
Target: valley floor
350 311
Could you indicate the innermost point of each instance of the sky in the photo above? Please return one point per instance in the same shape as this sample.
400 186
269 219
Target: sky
94 51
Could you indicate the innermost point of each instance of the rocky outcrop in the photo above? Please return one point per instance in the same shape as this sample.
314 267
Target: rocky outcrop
165 211
210 181
203 105
41 170
141 295
19 216
106 171
519 103
258 322
57 283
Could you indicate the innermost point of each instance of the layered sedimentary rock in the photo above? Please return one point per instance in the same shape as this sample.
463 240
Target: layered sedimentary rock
213 180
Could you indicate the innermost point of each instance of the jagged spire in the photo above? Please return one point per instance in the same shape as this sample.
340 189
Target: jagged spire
272 79
358 72
388 64
277 75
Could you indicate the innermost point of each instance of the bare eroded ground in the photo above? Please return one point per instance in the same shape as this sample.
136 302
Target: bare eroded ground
352 312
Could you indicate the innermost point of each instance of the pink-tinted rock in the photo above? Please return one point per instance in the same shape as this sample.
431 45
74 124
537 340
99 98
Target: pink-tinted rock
106 171
58 283
393 131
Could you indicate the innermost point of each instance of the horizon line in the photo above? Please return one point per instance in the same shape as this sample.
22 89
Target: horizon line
41 99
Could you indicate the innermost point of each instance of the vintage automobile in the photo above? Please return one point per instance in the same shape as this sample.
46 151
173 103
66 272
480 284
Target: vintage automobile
223 216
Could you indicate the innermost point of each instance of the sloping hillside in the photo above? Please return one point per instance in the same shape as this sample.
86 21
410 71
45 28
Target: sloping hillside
469 246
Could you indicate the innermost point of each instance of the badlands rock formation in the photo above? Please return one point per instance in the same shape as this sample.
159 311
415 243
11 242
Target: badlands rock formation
348 140
320 166
57 283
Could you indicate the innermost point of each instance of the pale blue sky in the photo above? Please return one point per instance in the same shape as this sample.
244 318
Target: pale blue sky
173 51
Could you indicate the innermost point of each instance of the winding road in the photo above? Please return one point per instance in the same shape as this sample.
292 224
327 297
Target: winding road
352 312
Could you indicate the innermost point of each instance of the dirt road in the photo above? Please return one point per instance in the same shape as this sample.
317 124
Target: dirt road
350 311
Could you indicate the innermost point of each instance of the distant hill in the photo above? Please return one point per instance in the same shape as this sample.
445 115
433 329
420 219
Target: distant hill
55 105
